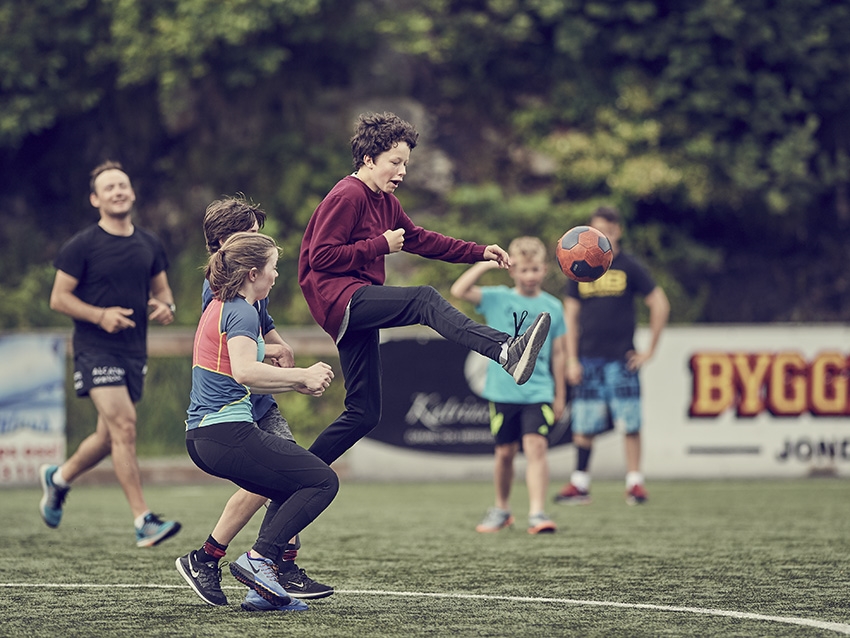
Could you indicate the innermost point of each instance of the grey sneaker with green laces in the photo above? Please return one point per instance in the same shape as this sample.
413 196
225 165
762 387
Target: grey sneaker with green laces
494 520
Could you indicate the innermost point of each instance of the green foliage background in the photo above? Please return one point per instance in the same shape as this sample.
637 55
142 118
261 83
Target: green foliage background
720 129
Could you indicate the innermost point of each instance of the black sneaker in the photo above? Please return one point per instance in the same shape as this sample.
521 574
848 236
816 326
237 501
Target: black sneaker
523 351
204 578
299 585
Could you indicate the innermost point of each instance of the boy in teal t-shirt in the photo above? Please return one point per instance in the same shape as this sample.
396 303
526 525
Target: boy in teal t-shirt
521 413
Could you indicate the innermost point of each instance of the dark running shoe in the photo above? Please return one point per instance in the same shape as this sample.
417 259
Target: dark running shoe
53 497
203 578
298 584
523 351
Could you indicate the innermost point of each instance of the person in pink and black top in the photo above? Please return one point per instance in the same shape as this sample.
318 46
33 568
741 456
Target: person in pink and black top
341 273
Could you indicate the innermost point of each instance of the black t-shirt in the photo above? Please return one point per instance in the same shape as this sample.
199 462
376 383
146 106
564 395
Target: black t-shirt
607 316
113 271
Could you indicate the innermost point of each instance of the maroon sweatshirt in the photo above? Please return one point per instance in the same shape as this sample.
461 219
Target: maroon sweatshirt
343 248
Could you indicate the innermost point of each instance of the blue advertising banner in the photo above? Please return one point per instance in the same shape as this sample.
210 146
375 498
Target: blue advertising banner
32 405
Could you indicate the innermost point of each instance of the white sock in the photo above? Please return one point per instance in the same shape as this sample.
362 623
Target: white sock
59 480
632 479
140 520
503 356
581 480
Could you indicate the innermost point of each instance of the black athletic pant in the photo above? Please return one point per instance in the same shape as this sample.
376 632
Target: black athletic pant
299 485
376 307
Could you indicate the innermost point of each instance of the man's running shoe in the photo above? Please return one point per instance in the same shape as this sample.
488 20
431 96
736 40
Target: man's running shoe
541 524
298 584
204 578
494 520
260 574
637 495
523 351
571 495
53 498
155 530
254 602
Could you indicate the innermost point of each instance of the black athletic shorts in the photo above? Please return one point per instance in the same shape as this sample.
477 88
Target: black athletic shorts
98 369
509 422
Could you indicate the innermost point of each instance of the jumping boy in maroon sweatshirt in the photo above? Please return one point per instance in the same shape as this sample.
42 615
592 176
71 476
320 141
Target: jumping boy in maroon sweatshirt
341 273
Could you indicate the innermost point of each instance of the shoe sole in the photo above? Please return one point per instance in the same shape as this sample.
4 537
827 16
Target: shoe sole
492 530
251 608
308 595
42 475
247 579
525 365
573 500
543 528
188 578
156 540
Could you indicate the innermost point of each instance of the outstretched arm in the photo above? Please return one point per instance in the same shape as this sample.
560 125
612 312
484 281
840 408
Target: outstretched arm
496 253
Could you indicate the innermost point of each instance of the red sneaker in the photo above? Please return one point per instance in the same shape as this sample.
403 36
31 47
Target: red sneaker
637 495
571 495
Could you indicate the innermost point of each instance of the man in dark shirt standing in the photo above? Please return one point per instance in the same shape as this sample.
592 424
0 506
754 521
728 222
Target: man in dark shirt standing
602 362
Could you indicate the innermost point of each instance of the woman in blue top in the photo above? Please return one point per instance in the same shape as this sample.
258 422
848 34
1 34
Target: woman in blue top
221 435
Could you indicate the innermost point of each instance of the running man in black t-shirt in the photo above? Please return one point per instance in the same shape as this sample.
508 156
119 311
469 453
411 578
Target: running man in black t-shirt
602 362
110 279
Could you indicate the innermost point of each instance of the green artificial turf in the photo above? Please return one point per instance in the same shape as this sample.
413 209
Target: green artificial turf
702 558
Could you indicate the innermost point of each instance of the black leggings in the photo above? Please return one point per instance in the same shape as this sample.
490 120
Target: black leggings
299 485
376 307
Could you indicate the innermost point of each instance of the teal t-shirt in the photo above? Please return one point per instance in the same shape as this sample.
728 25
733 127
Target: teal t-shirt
498 303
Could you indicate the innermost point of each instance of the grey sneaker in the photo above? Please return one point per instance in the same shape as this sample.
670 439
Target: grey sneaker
541 524
523 350
494 520
260 574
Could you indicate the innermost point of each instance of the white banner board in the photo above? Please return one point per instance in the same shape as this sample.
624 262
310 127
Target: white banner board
728 401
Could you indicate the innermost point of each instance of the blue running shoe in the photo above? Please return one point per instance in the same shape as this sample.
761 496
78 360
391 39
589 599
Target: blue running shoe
155 530
254 602
54 496
260 574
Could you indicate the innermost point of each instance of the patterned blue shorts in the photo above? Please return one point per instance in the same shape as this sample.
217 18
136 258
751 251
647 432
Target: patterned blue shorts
609 394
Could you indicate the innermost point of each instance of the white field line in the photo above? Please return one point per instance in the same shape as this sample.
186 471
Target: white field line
841 628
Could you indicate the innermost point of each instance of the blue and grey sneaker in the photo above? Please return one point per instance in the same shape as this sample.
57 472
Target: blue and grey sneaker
155 530
254 602
260 574
53 498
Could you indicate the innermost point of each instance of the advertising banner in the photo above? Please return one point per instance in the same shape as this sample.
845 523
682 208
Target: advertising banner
431 400
32 405
730 401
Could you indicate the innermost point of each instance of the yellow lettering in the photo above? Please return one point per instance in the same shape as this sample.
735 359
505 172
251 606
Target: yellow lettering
751 371
714 384
829 384
787 385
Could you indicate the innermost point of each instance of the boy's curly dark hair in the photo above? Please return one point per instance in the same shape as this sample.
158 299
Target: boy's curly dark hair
379 132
